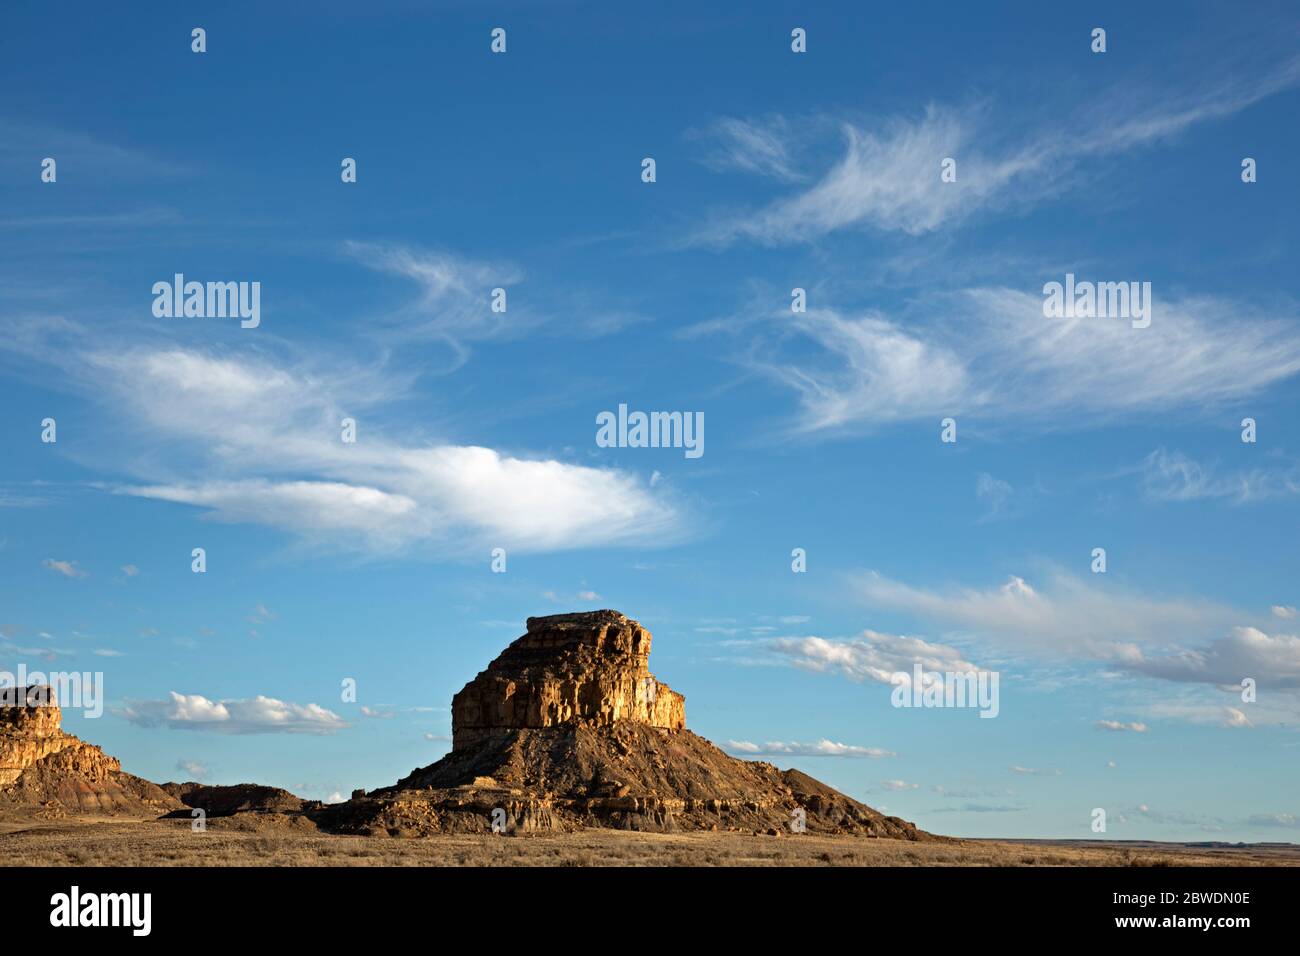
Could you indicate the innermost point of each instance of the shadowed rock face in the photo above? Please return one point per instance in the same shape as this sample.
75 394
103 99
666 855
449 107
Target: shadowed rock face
225 801
590 668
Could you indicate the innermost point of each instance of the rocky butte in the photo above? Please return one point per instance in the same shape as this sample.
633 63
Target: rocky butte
568 728
51 773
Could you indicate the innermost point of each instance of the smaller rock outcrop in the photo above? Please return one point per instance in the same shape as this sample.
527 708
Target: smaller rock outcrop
46 769
227 800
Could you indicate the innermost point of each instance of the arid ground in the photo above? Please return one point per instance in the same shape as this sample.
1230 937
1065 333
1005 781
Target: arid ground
173 843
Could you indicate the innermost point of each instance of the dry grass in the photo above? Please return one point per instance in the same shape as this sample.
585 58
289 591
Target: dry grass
172 843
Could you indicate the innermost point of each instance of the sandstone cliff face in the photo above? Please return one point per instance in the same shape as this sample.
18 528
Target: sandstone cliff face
588 668
30 731
43 767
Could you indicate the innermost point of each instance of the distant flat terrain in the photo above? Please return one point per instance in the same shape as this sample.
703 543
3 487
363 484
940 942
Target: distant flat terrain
114 842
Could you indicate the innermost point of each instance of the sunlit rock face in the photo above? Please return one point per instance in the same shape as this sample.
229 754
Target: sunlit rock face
31 730
588 668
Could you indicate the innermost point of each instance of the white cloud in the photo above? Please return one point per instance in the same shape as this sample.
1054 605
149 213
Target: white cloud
898 785
320 507
257 715
454 305
1217 715
455 294
1116 725
1232 717
1271 660
888 179
990 352
1070 616
1175 640
871 656
194 769
995 493
1284 611
260 439
1172 476
822 748
759 147
130 570
68 569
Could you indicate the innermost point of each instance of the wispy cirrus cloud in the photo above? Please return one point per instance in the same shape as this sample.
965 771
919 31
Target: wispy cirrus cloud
981 808
991 353
112 161
454 303
762 147
455 299
996 495
888 176
1173 476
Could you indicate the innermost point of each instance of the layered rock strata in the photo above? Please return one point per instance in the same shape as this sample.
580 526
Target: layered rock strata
590 668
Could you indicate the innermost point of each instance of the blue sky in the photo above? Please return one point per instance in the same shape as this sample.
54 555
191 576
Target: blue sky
476 429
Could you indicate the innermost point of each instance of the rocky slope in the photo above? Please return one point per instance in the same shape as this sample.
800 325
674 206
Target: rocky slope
568 728
49 773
